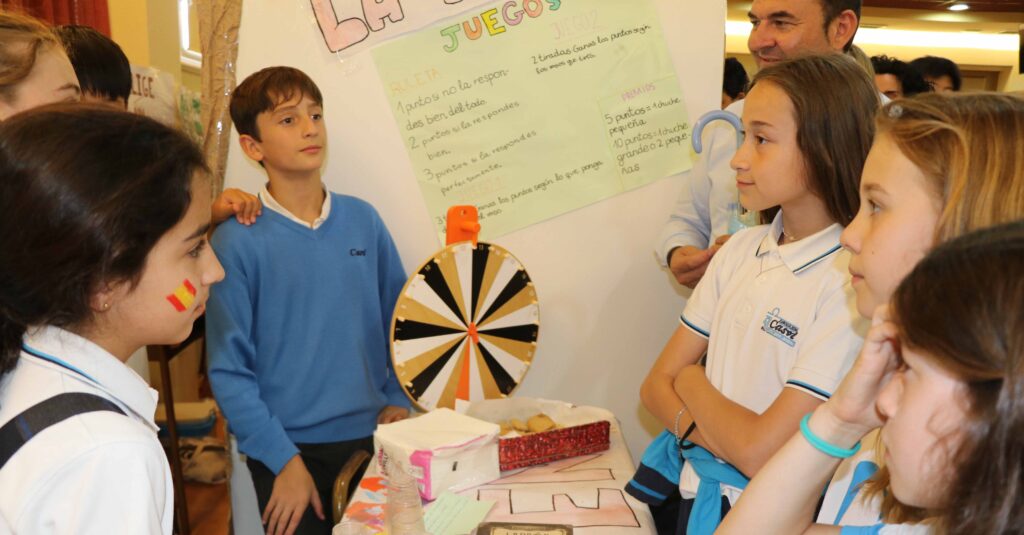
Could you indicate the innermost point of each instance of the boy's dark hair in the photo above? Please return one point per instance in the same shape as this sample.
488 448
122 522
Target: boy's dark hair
832 8
263 91
936 67
73 219
911 81
100 64
735 79
835 103
974 329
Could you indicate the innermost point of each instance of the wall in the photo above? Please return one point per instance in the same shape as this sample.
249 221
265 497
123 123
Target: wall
147 31
128 27
606 306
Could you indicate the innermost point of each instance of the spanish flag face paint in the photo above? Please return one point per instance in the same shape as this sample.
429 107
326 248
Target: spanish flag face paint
183 296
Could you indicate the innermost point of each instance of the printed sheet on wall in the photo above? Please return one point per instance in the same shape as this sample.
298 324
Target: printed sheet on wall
529 109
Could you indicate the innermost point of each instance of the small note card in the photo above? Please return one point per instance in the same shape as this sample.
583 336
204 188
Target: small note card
451 514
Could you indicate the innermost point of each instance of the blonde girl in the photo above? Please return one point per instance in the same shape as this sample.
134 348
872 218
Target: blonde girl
34 69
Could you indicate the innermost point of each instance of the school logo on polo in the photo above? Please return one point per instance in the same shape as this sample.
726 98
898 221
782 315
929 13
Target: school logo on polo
778 327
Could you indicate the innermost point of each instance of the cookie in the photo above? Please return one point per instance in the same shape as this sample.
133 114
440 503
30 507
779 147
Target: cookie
540 423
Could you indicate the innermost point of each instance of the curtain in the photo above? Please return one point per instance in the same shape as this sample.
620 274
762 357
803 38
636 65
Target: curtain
218 35
57 12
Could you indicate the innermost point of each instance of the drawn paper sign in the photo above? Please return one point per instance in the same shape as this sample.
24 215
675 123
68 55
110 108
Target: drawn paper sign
154 94
532 108
350 26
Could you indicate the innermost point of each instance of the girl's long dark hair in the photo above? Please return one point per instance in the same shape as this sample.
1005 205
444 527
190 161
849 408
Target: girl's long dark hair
85 194
963 307
835 102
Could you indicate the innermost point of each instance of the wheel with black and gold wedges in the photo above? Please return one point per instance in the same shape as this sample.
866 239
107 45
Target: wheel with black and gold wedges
465 327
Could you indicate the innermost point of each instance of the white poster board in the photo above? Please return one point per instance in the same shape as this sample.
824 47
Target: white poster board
607 308
563 109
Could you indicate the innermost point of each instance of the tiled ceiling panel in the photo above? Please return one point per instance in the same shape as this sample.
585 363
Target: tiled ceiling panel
1003 6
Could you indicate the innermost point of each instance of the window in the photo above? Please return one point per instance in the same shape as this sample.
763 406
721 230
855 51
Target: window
188 28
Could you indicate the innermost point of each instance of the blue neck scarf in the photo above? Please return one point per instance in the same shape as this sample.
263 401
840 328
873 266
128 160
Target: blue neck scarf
707 507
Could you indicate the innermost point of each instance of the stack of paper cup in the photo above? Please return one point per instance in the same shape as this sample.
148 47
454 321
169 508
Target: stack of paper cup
403 513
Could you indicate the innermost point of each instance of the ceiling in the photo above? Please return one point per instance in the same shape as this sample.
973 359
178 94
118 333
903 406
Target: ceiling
1003 6
999 16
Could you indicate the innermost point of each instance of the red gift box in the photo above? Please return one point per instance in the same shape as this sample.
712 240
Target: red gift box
541 448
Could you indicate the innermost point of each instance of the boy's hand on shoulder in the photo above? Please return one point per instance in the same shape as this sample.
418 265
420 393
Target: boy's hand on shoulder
244 206
391 414
294 490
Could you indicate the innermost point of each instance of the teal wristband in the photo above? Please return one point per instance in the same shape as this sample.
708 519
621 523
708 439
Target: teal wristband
824 447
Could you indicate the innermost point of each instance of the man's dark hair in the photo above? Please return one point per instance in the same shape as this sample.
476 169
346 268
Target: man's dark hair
832 8
935 67
735 80
263 91
911 81
101 66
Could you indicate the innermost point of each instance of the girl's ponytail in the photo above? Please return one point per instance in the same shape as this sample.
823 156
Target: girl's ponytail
11 333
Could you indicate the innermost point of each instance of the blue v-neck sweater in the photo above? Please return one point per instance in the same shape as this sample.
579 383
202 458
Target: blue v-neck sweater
298 330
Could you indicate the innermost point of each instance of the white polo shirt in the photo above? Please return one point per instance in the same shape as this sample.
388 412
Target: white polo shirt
776 317
94 473
845 503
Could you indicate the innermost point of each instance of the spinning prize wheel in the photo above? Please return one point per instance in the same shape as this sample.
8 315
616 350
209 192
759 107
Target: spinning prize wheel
465 327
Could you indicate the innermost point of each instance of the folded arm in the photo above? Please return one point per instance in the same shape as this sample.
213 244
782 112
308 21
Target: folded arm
734 433
657 392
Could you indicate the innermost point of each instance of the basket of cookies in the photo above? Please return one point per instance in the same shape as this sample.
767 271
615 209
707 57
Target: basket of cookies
538 431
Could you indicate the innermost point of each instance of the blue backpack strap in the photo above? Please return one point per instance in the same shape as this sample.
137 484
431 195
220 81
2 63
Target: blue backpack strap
20 429
658 473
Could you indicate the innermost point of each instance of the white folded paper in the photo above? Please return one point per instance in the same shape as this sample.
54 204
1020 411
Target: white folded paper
442 449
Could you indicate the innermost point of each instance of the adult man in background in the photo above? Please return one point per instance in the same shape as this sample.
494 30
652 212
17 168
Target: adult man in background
699 223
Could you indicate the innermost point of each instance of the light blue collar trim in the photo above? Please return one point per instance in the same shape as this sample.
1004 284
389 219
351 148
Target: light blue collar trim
56 360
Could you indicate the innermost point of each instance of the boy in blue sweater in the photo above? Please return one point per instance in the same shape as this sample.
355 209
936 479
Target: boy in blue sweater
298 331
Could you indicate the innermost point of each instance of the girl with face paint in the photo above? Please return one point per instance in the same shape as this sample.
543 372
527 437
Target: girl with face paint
101 256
